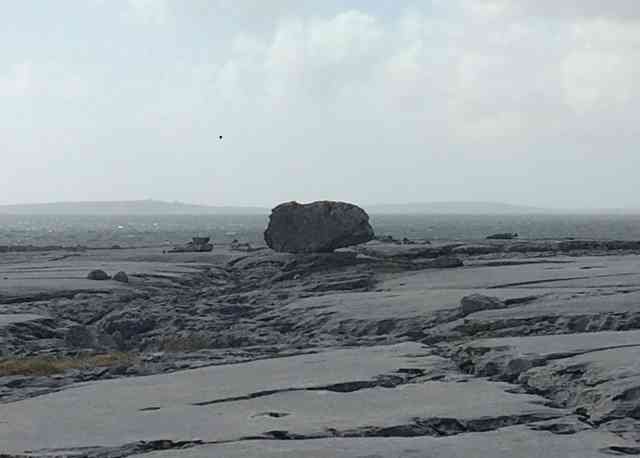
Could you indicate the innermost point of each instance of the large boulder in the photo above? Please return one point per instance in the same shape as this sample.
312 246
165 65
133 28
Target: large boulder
317 227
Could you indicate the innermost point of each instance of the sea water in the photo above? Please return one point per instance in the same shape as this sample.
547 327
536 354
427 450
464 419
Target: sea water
105 231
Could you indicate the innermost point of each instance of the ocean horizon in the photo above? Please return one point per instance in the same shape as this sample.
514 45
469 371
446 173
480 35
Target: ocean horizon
128 230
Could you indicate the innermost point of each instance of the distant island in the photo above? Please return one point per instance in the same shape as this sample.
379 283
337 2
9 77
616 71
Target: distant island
455 208
158 207
128 207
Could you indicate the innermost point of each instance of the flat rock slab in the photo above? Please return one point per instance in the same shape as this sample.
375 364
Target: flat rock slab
391 304
560 344
371 314
514 442
584 272
298 413
574 313
306 395
71 275
578 305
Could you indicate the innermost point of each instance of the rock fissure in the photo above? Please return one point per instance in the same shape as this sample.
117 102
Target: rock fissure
385 381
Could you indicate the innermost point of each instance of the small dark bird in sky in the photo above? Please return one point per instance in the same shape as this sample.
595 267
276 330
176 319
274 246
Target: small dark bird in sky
220 137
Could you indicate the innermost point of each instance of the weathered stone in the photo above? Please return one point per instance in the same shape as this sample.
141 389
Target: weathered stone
317 227
122 277
98 275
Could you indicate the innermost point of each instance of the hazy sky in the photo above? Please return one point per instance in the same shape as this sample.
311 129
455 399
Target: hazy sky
374 101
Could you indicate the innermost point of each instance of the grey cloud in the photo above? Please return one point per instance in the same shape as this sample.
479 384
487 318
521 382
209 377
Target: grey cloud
572 9
327 102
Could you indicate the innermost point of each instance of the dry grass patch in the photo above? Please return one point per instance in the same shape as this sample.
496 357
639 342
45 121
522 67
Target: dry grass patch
53 365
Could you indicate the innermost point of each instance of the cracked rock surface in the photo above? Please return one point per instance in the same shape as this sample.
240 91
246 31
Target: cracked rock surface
518 348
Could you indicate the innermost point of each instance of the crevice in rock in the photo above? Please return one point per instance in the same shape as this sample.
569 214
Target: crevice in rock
568 387
621 451
507 367
555 280
7 300
122 451
271 414
419 427
549 324
384 381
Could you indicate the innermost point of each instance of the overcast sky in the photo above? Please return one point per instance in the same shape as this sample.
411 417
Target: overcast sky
531 102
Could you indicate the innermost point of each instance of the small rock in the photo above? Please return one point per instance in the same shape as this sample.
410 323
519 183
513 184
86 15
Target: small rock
478 302
98 275
503 236
197 245
122 277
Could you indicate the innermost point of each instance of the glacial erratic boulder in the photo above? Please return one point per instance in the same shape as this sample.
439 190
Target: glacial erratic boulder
98 275
317 227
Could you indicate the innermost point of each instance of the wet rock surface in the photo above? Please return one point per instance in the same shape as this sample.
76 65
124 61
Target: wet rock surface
519 348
